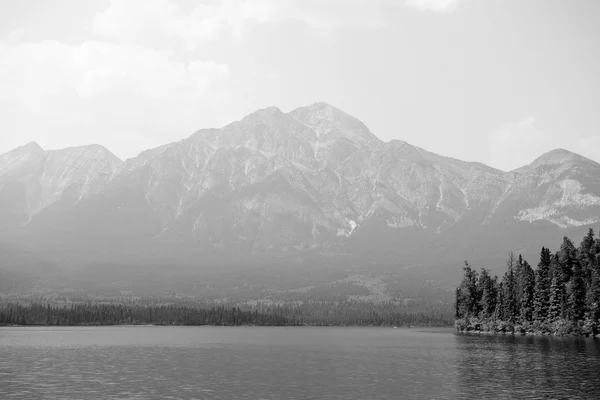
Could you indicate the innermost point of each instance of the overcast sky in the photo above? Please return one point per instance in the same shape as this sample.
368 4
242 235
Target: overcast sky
496 81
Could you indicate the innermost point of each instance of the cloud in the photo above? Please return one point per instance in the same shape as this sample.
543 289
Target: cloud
157 24
164 23
73 94
145 74
433 5
518 144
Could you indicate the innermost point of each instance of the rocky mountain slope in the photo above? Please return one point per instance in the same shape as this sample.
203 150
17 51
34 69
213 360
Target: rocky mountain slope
314 182
33 180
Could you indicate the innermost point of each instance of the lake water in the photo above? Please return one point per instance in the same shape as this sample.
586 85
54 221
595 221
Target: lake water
291 363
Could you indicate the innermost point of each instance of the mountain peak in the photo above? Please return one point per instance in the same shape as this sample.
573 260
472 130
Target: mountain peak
331 123
29 148
323 111
557 157
20 157
32 146
325 106
268 112
89 151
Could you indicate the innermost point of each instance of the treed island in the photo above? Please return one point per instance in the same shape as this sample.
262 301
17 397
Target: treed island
560 297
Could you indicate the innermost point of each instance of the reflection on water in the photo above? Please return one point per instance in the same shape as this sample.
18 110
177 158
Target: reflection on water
290 363
523 367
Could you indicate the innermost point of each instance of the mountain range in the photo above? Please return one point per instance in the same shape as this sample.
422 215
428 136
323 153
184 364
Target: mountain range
288 188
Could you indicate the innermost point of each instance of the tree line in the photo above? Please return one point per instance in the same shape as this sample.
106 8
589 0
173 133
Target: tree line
319 313
364 313
561 296
111 314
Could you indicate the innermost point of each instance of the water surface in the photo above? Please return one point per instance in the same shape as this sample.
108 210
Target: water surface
291 363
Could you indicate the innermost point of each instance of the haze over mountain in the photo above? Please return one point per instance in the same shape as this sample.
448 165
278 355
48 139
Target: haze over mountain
314 183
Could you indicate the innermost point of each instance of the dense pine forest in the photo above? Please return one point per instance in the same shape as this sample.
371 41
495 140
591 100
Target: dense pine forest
110 314
314 313
560 297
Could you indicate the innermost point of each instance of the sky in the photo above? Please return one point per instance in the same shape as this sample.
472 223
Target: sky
495 81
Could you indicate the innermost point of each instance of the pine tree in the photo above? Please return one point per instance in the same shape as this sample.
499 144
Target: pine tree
499 311
542 286
577 295
469 293
593 293
488 290
527 292
519 282
457 300
567 256
510 311
557 298
593 298
586 255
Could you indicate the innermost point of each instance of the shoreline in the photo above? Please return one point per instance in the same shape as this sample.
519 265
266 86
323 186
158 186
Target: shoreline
538 334
232 326
558 328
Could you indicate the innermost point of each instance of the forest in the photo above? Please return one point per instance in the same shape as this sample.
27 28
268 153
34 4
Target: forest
314 313
118 314
560 297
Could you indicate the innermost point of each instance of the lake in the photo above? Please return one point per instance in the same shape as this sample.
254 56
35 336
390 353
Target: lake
291 363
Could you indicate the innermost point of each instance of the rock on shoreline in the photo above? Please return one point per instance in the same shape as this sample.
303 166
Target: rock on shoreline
559 328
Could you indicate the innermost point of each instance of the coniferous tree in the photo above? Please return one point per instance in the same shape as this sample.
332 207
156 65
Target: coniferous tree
457 300
469 295
542 287
556 303
510 311
593 293
567 256
499 311
527 292
519 276
586 255
577 295
488 290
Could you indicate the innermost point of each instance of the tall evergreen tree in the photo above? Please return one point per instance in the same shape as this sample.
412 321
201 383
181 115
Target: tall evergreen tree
542 286
519 282
457 300
586 255
510 297
499 311
593 293
577 295
567 256
527 292
488 290
469 295
557 300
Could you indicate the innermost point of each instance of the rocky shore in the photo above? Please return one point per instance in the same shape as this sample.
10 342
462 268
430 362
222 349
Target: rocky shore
560 327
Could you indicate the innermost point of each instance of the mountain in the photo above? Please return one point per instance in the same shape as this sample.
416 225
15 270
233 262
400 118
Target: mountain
32 180
560 187
275 187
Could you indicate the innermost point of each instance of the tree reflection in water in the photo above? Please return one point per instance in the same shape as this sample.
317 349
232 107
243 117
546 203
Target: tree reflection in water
527 367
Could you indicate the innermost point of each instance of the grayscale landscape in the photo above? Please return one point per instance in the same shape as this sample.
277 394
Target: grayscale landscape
299 199
293 205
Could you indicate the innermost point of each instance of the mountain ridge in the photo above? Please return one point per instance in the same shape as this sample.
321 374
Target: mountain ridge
556 151
314 180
